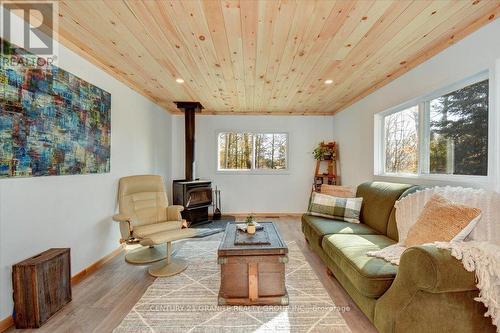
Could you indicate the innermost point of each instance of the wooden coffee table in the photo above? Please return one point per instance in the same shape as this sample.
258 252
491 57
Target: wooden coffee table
253 274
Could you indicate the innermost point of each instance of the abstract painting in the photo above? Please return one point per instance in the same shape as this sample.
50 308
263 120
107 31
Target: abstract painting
51 121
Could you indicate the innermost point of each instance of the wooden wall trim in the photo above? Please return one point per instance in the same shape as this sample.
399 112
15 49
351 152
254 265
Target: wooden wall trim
78 277
8 322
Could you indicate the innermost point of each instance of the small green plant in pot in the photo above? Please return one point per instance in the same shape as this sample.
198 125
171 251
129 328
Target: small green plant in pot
250 224
322 152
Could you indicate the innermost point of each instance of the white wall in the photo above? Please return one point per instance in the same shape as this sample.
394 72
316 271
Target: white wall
75 211
270 193
353 127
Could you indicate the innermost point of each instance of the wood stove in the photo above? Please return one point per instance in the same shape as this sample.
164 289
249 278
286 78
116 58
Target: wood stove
194 194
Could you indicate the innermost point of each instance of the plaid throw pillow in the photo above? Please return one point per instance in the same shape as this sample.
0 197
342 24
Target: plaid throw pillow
346 209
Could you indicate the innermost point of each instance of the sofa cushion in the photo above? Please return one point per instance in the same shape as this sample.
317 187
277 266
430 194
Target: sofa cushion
316 227
378 202
370 276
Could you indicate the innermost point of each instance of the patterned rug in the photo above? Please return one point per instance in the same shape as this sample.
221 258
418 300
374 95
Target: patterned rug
187 302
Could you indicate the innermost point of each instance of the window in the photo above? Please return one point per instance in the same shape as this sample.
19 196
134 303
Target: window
443 134
270 151
401 141
459 131
235 151
252 151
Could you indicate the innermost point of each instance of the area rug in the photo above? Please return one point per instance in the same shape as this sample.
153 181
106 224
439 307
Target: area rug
187 302
213 226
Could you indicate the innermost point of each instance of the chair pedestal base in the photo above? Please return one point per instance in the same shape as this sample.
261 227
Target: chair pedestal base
146 255
168 267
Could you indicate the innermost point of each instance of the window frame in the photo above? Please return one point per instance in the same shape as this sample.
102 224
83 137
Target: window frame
423 150
253 170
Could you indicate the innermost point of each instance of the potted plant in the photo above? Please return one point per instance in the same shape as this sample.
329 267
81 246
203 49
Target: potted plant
250 224
322 152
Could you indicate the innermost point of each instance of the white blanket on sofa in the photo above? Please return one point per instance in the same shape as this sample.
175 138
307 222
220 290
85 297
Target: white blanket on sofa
481 253
408 209
483 258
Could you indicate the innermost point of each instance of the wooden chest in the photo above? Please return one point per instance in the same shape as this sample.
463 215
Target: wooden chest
253 274
42 286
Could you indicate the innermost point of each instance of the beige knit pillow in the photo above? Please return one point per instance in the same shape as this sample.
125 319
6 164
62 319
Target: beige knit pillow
338 191
440 220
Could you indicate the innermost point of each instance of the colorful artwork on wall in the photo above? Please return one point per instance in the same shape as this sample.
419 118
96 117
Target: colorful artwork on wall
51 122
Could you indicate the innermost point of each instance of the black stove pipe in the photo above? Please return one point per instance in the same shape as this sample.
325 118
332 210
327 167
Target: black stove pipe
189 109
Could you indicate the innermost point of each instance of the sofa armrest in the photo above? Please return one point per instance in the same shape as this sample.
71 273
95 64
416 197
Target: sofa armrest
174 212
434 270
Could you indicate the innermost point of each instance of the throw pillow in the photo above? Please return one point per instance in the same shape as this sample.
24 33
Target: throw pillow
462 235
442 220
346 209
338 191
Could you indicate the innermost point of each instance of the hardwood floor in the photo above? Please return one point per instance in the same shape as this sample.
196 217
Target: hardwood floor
102 300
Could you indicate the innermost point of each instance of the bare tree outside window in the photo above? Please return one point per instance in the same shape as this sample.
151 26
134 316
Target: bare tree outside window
246 151
235 150
270 151
401 141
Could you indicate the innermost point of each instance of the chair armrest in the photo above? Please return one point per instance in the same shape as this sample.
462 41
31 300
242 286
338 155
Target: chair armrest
125 226
435 270
121 218
174 212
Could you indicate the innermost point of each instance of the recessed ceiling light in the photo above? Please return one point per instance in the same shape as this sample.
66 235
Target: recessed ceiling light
328 81
179 80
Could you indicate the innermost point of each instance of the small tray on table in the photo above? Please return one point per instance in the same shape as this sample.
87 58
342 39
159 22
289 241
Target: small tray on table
260 237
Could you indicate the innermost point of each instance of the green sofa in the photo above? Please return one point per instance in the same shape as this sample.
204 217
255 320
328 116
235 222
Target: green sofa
429 291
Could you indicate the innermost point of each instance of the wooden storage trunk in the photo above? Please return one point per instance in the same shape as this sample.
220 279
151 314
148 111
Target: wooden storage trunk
253 274
42 286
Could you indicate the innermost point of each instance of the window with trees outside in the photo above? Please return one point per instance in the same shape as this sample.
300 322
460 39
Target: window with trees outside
444 134
252 151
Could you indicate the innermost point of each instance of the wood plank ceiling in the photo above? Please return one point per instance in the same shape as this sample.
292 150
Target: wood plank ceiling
265 57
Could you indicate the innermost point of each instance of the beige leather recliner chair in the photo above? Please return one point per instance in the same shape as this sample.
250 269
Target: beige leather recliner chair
146 218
